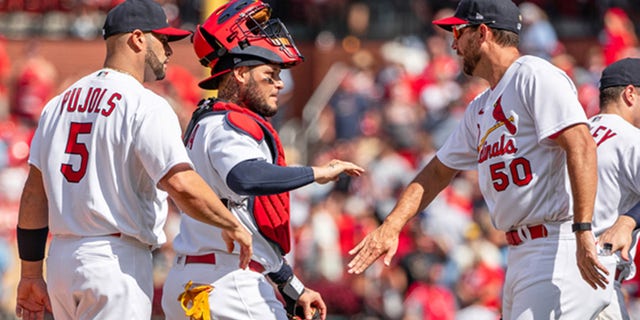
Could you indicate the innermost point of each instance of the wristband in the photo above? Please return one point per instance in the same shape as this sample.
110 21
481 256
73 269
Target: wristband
281 276
32 243
582 226
293 288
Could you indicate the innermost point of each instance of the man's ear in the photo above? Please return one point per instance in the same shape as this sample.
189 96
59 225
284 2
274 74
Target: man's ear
136 40
628 95
241 74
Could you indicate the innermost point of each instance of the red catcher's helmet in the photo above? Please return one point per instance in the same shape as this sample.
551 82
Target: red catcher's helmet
242 30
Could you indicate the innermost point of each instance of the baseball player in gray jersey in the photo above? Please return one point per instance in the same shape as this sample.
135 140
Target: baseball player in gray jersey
235 148
103 158
527 136
618 142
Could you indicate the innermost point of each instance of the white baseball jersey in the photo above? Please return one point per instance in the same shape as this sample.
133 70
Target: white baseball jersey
102 146
505 135
618 190
618 144
215 150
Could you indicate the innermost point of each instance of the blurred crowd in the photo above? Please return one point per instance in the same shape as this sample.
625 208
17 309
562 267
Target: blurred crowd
390 112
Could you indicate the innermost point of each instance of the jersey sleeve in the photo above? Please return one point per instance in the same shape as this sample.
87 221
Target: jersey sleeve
35 146
227 147
159 144
551 98
459 150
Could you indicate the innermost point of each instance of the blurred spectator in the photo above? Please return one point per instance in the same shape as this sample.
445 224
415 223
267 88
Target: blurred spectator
5 74
440 89
588 93
618 36
327 237
478 291
6 261
34 84
87 22
402 117
538 37
388 172
425 297
355 96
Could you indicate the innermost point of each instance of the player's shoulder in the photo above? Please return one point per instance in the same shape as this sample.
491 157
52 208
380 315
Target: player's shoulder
535 70
244 124
617 124
149 101
534 65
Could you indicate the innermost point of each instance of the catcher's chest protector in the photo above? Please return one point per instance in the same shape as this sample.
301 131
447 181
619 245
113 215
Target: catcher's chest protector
271 212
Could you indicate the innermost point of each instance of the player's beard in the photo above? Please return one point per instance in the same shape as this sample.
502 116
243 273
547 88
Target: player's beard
254 99
470 58
153 66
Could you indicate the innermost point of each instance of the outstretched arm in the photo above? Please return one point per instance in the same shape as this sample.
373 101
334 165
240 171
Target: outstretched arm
421 191
259 177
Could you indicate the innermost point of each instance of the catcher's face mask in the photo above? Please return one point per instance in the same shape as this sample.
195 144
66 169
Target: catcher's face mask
243 27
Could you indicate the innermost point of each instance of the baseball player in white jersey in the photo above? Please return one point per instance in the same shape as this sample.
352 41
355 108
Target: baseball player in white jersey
618 142
103 152
527 137
239 154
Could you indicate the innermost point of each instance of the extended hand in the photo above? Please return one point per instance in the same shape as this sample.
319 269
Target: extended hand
332 170
619 235
382 240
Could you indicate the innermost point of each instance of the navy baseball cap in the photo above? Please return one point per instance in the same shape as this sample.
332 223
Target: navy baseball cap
497 14
144 15
621 73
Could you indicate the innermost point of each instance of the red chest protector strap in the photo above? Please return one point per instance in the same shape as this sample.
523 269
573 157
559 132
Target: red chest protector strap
271 212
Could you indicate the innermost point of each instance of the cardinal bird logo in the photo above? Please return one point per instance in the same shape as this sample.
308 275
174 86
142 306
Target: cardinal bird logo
500 117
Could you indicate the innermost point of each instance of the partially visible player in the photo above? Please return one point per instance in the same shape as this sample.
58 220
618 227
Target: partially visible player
236 149
527 136
103 158
618 142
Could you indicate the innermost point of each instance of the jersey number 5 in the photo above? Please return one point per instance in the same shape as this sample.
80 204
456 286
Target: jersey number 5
520 170
77 148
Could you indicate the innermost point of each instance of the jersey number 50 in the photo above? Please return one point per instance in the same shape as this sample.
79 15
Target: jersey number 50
77 148
520 170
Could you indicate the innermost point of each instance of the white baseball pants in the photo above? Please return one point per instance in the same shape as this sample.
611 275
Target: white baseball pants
104 277
237 294
543 280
